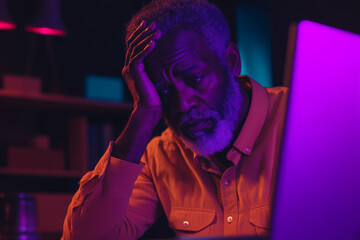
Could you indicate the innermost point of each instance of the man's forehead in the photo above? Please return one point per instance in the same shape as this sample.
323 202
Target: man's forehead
185 47
181 38
187 64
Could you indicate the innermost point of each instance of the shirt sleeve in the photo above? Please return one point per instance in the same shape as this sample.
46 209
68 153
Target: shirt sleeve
117 200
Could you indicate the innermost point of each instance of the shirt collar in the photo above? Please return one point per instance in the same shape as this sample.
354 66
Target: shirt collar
253 123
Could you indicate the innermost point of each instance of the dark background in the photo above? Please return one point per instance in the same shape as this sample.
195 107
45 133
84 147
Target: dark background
94 44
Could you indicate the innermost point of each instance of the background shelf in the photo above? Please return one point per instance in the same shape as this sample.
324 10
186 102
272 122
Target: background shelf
59 102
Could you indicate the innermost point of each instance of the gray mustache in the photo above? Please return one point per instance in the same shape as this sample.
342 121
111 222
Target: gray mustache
194 115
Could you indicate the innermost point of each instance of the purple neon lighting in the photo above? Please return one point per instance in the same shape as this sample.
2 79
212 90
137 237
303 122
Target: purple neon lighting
318 191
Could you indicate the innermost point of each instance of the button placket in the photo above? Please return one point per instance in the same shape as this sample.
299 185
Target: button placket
229 198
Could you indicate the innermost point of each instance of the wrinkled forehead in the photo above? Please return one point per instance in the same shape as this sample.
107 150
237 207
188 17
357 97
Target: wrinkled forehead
182 48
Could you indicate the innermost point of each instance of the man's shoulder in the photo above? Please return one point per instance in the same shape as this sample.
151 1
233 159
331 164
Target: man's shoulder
277 103
277 96
279 91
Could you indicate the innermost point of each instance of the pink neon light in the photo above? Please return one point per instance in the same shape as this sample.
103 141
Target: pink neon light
7 25
46 31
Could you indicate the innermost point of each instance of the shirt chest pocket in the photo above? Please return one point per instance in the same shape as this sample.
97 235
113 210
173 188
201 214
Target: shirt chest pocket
260 219
191 220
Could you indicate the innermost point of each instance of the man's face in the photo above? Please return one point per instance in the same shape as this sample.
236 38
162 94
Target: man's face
200 97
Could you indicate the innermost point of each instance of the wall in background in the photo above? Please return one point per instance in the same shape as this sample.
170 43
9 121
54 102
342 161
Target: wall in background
94 44
253 38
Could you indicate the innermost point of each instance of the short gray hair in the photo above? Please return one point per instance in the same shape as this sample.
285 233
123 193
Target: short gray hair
205 18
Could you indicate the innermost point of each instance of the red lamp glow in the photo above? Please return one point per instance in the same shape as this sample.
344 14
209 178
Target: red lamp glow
7 25
6 22
46 31
48 21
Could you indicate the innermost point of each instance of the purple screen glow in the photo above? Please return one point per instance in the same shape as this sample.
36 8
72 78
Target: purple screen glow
318 189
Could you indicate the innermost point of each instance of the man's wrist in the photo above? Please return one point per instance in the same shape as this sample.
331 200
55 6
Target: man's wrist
133 141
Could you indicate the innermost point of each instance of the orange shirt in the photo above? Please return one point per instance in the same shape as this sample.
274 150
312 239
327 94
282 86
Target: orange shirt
197 198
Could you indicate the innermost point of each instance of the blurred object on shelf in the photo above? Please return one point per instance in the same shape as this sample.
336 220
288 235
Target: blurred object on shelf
51 211
48 21
6 22
109 88
24 84
34 158
40 141
18 217
77 143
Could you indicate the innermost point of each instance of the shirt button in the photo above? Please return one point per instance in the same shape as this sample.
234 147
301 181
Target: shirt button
229 219
227 182
186 223
248 150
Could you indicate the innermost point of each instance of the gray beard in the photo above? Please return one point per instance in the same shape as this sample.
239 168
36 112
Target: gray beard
226 121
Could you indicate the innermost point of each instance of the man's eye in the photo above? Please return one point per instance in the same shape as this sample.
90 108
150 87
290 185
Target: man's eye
163 92
162 89
194 80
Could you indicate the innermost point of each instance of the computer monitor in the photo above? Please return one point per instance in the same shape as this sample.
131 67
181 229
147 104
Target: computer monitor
317 194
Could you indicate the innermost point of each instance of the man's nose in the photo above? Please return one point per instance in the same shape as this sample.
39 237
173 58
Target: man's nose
184 100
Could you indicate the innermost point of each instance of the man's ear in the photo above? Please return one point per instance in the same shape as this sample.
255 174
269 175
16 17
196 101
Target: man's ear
233 60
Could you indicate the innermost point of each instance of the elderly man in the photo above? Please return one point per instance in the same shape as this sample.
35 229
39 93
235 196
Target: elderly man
212 170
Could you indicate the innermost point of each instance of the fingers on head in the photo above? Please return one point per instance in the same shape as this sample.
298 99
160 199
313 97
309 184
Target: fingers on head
136 65
140 43
139 56
140 34
137 31
143 44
